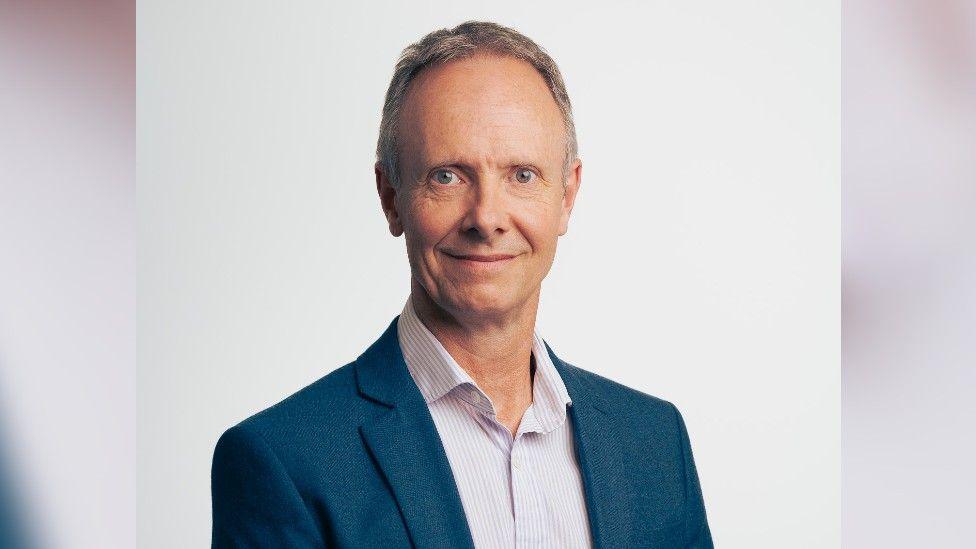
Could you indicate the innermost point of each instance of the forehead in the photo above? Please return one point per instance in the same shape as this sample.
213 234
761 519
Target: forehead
484 106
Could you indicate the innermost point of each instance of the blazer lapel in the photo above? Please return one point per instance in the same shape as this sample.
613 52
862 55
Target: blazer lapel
404 442
609 497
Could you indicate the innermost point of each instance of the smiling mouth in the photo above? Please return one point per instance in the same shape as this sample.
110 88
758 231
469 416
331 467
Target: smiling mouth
481 258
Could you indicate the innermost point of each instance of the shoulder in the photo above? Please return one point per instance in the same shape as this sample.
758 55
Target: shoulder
329 408
637 408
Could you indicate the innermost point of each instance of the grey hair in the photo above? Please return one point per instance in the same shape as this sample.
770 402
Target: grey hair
463 41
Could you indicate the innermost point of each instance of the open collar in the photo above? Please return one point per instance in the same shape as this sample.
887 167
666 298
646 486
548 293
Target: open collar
437 373
403 440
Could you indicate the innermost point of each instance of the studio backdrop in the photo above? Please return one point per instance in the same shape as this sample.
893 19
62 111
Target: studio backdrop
701 263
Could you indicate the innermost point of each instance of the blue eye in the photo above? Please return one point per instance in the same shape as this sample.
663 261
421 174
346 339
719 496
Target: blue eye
524 175
445 177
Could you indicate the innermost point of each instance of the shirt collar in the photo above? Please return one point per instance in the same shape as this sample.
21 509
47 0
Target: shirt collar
437 373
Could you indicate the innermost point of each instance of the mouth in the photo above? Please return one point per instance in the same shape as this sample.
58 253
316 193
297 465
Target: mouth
490 258
482 264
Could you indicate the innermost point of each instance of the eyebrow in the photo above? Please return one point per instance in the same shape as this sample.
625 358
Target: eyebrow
469 168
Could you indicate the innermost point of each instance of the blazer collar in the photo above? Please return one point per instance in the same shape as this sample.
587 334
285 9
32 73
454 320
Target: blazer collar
597 431
403 439
381 372
382 375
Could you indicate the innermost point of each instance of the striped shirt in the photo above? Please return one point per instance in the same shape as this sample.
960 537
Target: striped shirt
522 492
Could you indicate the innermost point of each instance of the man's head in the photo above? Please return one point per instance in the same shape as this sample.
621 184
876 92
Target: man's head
476 161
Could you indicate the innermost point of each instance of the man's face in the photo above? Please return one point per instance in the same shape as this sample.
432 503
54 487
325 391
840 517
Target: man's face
481 199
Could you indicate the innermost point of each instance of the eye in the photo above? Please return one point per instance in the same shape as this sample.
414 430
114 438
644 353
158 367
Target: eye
444 177
524 175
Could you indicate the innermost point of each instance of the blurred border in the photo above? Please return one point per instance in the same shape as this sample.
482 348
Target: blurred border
67 339
67 273
909 272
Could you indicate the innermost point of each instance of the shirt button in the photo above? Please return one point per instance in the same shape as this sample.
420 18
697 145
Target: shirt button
516 463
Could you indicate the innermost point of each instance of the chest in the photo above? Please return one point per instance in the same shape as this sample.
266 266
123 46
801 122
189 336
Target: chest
525 491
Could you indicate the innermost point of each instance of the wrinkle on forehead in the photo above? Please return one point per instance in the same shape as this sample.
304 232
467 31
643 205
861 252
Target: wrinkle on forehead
485 110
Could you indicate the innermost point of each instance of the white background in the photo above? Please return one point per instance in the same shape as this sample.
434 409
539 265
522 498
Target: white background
702 263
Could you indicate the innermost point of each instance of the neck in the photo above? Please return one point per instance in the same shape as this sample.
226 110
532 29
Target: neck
496 351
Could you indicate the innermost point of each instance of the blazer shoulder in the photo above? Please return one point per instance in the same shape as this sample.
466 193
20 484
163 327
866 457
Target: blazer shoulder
624 399
651 422
326 404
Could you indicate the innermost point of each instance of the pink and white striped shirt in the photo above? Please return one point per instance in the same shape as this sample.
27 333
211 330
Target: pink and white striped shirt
522 492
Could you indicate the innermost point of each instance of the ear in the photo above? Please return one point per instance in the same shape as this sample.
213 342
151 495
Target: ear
388 200
574 178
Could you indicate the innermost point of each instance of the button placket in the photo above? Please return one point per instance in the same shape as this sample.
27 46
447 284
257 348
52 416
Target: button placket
520 489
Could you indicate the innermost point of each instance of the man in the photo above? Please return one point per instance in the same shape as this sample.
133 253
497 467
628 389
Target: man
459 426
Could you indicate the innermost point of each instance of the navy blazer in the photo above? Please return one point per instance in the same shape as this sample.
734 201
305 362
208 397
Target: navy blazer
354 460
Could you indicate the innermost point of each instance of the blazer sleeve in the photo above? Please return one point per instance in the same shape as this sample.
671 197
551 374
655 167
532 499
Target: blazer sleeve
255 502
697 534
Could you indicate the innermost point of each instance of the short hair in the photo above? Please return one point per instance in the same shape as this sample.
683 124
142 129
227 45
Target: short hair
465 40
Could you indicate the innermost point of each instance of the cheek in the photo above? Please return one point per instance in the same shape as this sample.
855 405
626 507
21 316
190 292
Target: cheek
425 228
541 228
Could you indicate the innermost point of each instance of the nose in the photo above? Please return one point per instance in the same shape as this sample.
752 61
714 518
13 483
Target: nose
487 215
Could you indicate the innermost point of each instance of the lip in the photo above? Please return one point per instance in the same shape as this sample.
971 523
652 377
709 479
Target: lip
482 264
482 258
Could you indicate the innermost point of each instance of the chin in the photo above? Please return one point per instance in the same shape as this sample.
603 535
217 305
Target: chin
494 301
